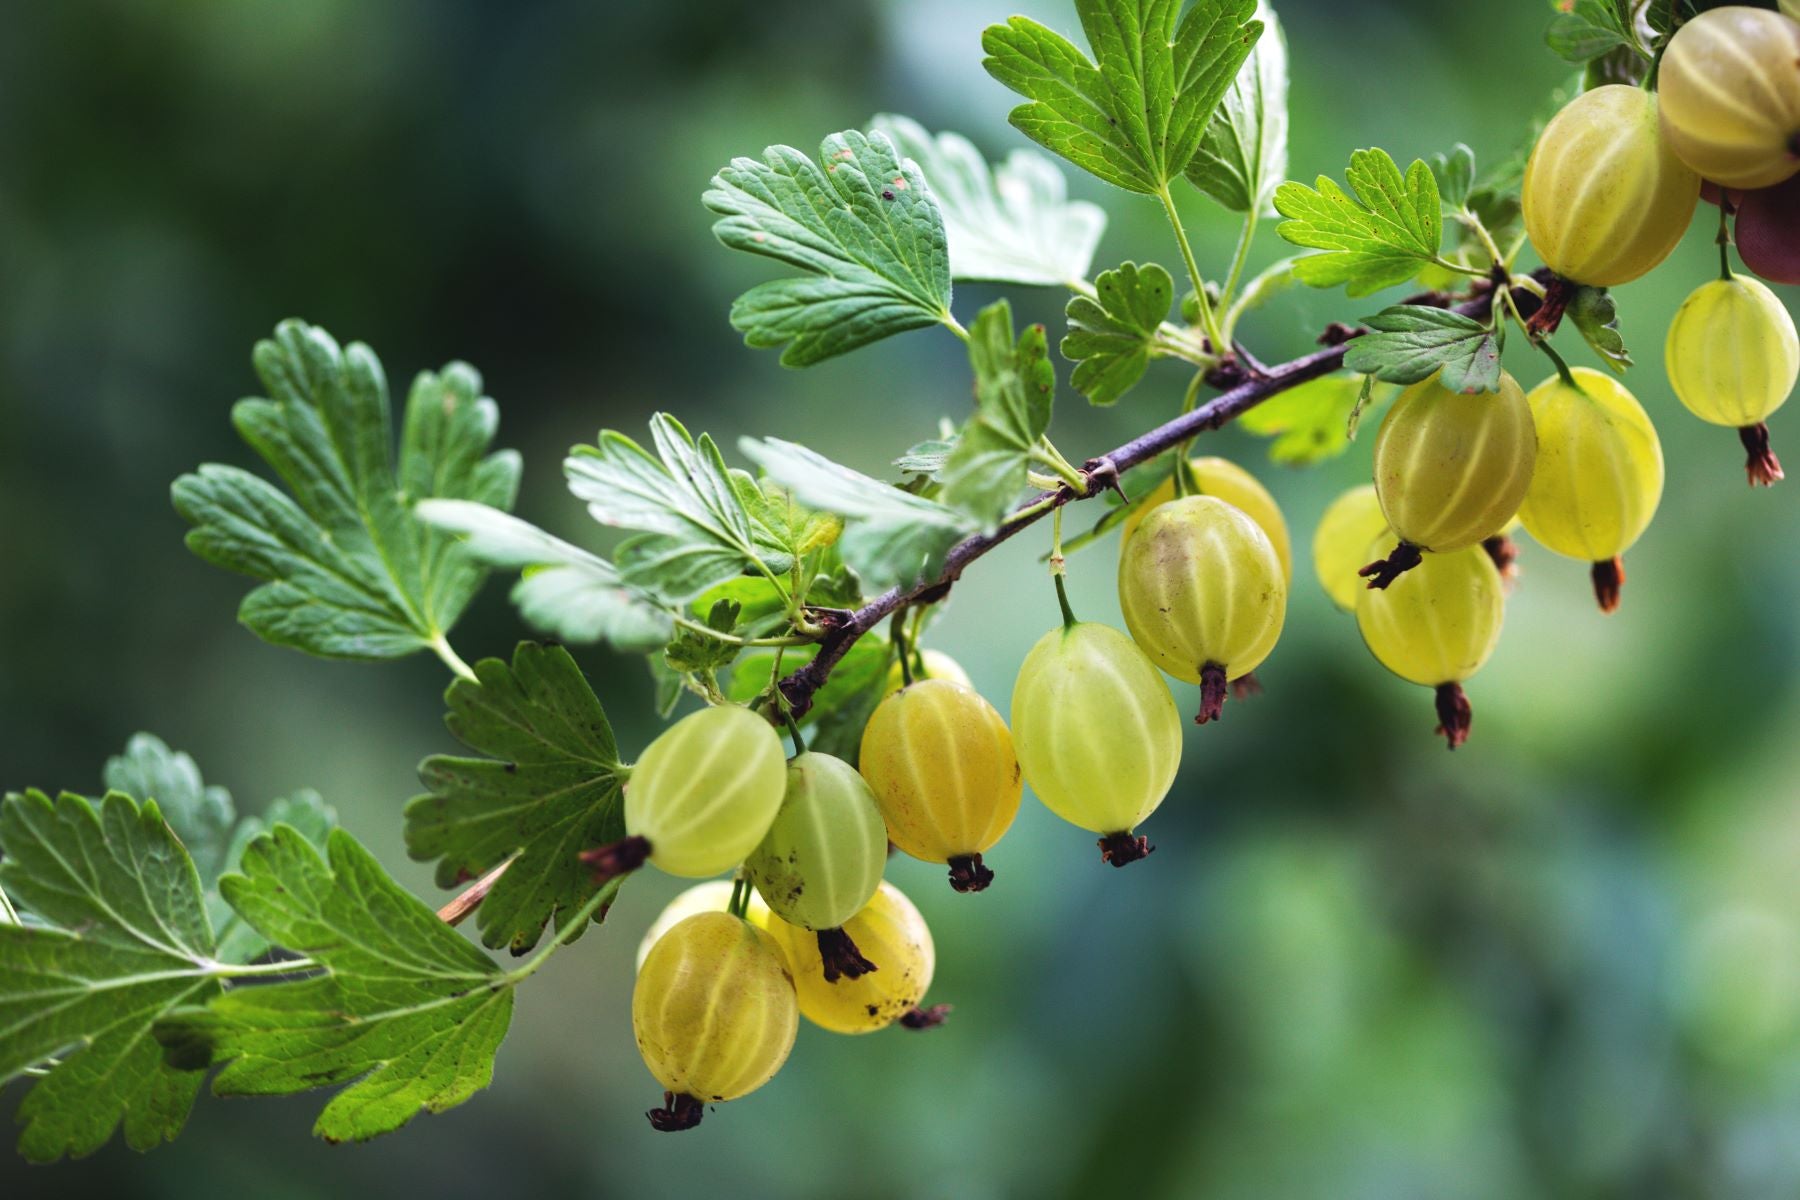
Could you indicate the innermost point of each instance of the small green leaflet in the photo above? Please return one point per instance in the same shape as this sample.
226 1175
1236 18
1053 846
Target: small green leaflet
1309 423
891 537
563 590
400 1007
206 821
1455 175
695 530
927 458
1383 235
1587 29
130 941
1244 156
1113 333
1015 385
1411 342
864 229
1135 115
1013 223
347 571
549 788
1597 317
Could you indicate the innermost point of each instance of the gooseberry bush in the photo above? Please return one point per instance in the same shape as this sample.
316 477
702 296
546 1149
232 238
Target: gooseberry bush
151 935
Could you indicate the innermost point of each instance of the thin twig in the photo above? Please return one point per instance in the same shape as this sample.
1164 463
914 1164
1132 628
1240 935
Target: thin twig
844 627
470 898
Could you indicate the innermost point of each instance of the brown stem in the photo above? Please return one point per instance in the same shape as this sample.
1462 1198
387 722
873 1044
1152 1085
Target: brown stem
841 957
1384 571
1122 848
925 1018
616 858
679 1111
1760 464
1557 294
969 874
844 627
1454 714
1609 581
1212 693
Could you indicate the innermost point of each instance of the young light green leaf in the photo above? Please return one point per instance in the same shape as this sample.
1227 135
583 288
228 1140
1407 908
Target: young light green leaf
1015 384
696 532
1244 156
563 590
1412 342
347 571
926 458
1454 171
308 815
691 651
400 1007
1588 30
1383 235
549 788
865 229
122 938
890 535
1112 334
1596 315
201 816
1013 223
1309 423
1135 114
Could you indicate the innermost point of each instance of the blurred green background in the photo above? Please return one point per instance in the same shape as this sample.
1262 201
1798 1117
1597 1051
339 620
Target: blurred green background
1563 961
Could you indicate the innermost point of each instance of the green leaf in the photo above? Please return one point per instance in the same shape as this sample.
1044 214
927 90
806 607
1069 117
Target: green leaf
400 1007
696 532
124 939
347 571
1136 114
549 788
1455 175
1412 342
1383 235
926 458
308 815
563 590
1596 315
1013 223
1112 334
891 537
785 529
1588 30
1244 156
1309 423
865 229
1015 385
201 816
691 651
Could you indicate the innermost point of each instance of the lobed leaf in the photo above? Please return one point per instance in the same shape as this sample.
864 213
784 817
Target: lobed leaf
1383 235
1596 316
1307 424
865 230
1244 156
1112 334
1136 113
1015 385
347 572
549 787
1011 223
1411 342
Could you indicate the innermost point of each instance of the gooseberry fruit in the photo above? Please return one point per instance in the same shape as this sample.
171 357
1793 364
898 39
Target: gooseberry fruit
1097 732
1730 88
1599 474
940 762
1340 544
823 857
1450 469
712 896
929 664
701 797
1203 594
715 1014
1733 358
1768 231
890 929
1436 626
1213 476
1605 200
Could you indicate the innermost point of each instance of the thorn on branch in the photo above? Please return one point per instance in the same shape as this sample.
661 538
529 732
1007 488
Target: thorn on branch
1102 476
1454 714
1384 571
